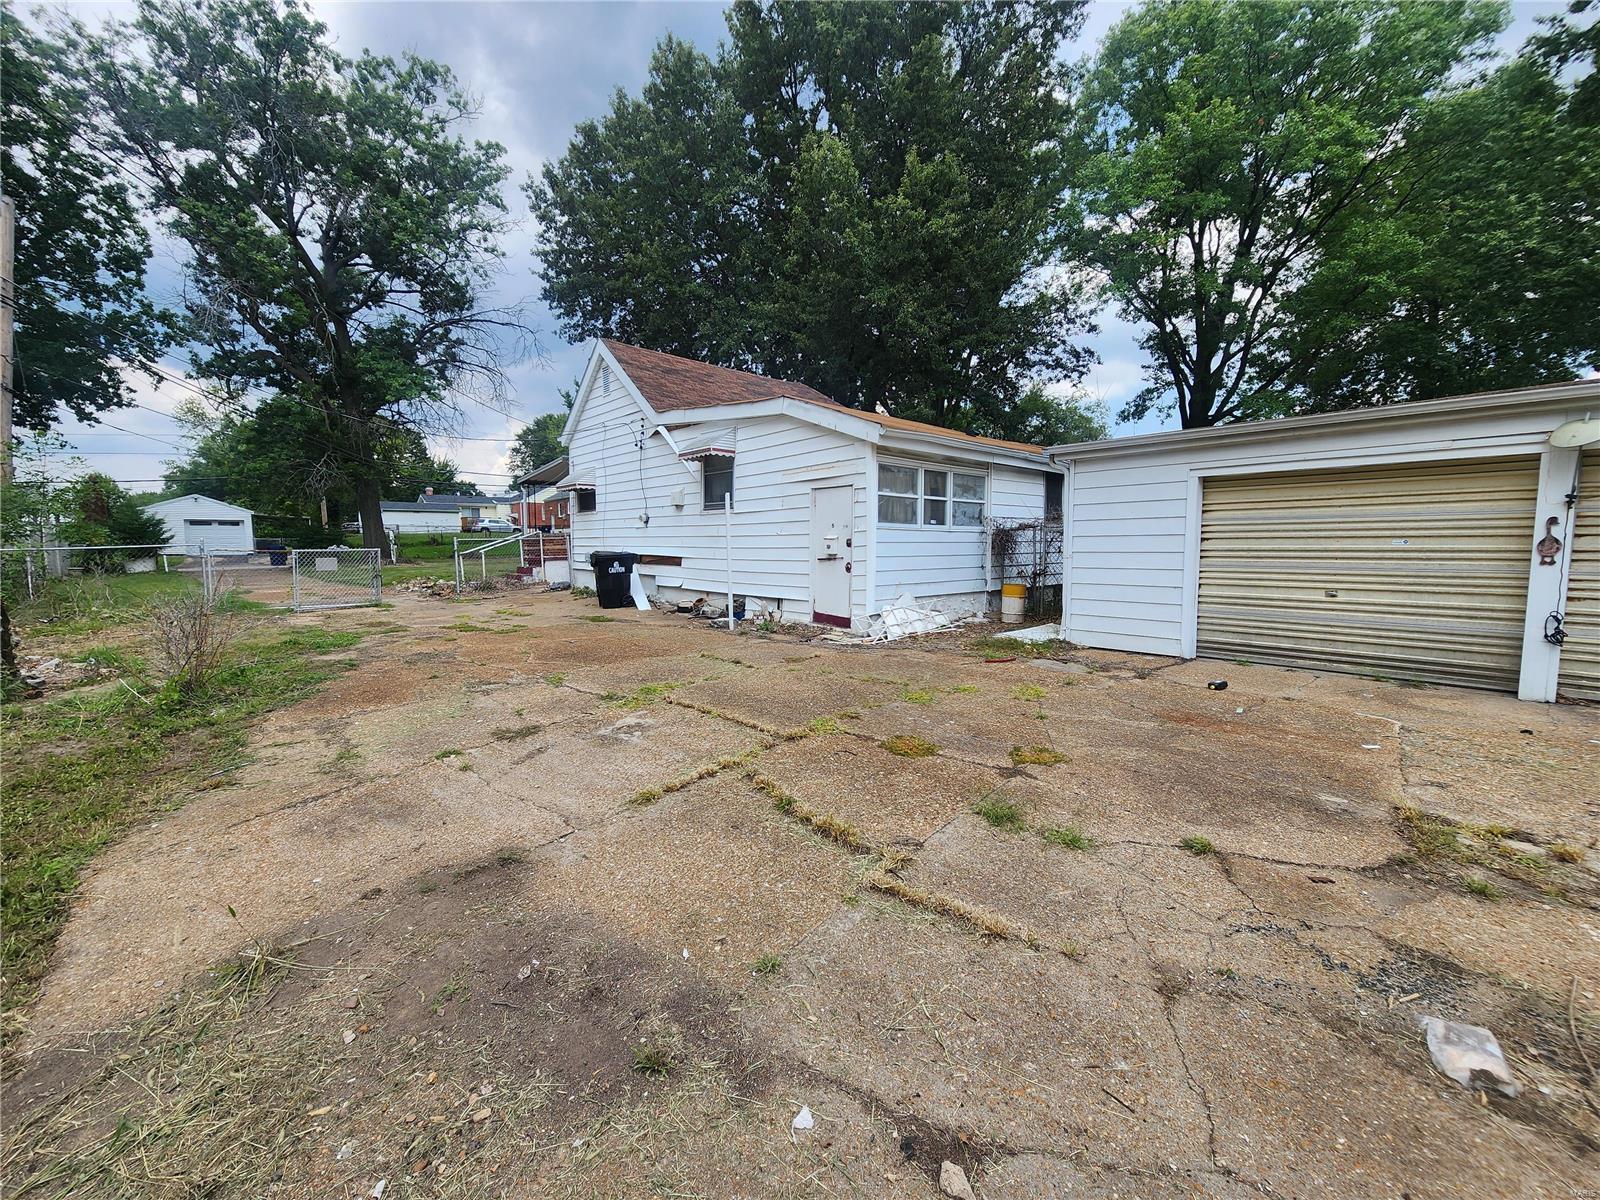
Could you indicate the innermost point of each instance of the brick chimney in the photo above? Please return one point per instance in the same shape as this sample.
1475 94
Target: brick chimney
427 491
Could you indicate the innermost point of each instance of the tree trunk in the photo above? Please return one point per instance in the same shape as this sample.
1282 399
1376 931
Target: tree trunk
12 681
369 495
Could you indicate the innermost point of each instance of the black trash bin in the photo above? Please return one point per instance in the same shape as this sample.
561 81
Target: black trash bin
613 574
277 553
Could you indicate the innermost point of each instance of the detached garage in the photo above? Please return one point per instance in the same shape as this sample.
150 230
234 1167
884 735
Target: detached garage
194 522
1402 542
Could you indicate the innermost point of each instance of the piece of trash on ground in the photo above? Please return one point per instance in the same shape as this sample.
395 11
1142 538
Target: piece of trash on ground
1464 1052
802 1120
1218 685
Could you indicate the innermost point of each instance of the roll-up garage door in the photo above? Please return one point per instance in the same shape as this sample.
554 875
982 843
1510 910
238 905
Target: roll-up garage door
1580 656
1414 572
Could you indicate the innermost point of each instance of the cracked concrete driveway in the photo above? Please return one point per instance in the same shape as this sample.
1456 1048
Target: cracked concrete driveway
532 904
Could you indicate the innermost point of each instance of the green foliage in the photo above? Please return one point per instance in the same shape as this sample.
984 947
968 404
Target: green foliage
537 442
81 248
82 769
1068 836
767 964
1224 144
861 197
1001 813
1197 845
341 232
278 458
101 514
1475 270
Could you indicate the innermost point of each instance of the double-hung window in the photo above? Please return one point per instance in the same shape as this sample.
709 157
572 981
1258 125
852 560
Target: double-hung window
928 496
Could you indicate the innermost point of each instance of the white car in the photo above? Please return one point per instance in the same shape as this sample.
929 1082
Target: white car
498 525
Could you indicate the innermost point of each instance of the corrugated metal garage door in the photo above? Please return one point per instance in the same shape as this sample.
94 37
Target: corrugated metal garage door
1580 657
1408 572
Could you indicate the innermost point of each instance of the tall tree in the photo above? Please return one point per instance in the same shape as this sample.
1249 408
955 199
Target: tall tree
537 442
1225 143
278 460
882 182
645 220
341 231
81 252
1476 268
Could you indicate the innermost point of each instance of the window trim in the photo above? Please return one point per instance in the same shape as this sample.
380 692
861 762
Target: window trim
705 478
949 499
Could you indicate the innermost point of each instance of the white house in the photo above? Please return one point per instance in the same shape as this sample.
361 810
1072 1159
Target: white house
1444 541
834 511
403 516
196 522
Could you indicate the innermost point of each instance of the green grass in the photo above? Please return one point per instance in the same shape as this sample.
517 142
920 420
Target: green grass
767 964
1001 813
1036 756
652 1059
1068 836
642 696
1003 647
600 619
89 603
83 768
444 754
909 745
1482 888
116 659
1029 691
913 695
515 733
397 573
1197 845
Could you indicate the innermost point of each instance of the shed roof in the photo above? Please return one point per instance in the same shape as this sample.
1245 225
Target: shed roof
670 383
196 497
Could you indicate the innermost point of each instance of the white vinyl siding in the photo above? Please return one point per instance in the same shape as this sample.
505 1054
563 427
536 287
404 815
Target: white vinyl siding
952 559
778 461
1580 655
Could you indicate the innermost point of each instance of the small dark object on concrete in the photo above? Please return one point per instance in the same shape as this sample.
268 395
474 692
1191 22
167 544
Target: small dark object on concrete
1320 878
1529 732
1218 685
1001 660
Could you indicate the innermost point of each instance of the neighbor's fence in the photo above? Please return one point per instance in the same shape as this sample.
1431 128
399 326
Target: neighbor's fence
1031 553
535 557
336 577
29 567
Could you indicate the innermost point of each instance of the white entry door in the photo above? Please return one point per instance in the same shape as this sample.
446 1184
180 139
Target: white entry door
831 546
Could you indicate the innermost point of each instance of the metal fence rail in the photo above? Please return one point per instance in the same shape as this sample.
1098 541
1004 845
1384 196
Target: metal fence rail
337 577
31 566
536 557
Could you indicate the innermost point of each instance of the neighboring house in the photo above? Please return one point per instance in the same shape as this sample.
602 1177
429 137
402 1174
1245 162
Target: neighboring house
199 522
1403 542
404 516
834 513
542 505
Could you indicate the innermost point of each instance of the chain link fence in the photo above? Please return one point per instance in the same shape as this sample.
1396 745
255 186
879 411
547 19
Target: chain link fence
336 577
531 557
1031 553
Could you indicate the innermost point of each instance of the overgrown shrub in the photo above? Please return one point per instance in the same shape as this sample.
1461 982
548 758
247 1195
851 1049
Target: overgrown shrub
192 636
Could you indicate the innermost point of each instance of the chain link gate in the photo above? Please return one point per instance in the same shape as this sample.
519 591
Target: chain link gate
335 578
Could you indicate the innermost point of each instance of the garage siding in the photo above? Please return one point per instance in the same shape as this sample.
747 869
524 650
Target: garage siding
1580 656
1417 571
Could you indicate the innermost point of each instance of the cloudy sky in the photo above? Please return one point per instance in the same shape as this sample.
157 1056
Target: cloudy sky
537 69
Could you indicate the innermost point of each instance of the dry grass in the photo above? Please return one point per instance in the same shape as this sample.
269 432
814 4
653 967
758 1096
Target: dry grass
515 733
199 1103
726 763
1036 756
909 745
829 826
1567 853
989 923
190 637
735 718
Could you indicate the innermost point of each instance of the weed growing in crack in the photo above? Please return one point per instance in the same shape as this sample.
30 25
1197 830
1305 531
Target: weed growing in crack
451 753
1029 691
1068 836
909 745
913 695
514 733
1197 845
1563 852
555 679
642 696
1036 756
1482 888
1001 813
767 964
